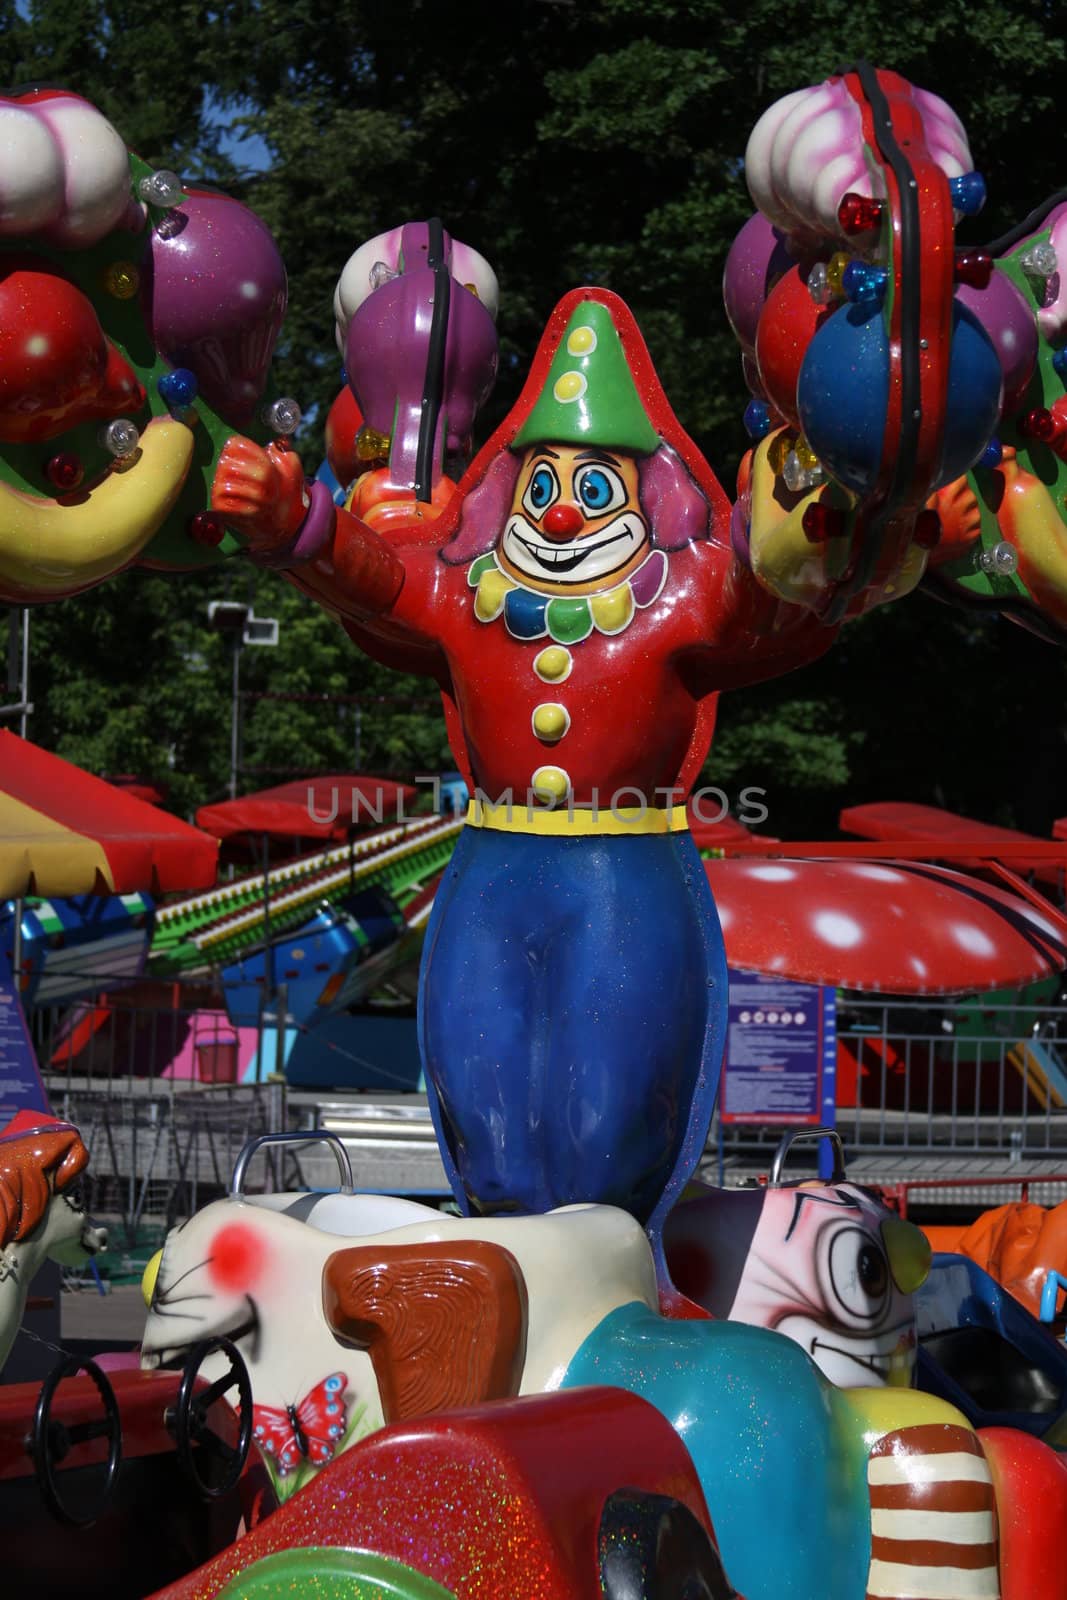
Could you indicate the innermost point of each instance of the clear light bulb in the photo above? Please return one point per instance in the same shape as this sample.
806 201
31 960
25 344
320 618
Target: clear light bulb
283 416
161 188
121 437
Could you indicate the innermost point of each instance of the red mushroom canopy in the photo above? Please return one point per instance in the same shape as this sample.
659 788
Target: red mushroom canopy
896 927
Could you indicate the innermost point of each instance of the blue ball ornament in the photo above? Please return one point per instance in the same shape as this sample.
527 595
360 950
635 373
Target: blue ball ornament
178 388
843 389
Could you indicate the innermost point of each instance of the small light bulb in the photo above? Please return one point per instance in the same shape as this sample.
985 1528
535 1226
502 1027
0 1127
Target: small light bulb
818 286
1039 261
968 193
381 273
757 420
178 388
162 189
282 416
1000 560
120 437
121 280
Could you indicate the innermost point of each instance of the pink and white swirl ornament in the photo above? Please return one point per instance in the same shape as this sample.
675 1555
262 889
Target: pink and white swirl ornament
64 171
807 152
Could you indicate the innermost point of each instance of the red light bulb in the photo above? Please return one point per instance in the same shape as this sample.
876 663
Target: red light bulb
974 268
1038 424
859 213
64 472
822 522
206 529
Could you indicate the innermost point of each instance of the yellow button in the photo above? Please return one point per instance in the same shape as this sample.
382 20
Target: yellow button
550 783
569 386
553 664
581 341
550 721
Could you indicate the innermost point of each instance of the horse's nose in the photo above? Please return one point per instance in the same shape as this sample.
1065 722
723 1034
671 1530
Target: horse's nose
151 1274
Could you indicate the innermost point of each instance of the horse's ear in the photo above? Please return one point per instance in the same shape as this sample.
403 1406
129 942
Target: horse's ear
444 1323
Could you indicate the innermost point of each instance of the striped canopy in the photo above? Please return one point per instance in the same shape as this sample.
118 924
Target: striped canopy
63 832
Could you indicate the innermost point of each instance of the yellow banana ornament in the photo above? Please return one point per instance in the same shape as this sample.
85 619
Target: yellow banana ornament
90 534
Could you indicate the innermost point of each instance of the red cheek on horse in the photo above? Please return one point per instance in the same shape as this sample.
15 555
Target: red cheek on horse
237 1257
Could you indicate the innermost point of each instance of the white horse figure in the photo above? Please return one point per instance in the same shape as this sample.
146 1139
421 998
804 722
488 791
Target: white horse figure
42 1215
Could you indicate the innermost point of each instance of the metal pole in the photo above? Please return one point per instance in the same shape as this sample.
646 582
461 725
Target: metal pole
235 714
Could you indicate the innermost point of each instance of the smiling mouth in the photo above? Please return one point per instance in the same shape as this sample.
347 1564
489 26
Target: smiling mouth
880 1368
567 558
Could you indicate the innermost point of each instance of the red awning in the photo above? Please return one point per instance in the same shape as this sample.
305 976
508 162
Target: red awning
311 808
63 832
892 819
896 927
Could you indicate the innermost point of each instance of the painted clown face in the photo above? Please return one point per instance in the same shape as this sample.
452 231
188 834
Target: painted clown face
835 1271
825 1264
575 524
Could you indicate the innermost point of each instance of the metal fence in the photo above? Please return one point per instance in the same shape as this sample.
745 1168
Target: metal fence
149 1077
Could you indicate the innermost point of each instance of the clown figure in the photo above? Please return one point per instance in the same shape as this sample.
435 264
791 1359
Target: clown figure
580 603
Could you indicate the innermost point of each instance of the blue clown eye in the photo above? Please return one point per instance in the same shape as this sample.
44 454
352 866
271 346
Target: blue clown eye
600 489
541 487
541 491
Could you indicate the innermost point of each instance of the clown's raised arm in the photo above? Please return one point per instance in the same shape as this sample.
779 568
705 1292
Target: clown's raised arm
908 412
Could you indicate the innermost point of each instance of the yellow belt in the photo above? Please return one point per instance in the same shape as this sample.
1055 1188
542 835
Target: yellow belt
574 822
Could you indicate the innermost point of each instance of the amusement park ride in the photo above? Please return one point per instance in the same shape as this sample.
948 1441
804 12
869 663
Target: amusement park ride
597 1380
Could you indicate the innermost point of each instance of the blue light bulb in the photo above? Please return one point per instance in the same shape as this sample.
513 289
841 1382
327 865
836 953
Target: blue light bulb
178 388
864 284
757 420
968 193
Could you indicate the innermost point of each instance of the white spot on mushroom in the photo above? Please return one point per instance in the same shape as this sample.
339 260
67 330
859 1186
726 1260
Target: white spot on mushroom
973 940
769 873
837 929
867 869
918 965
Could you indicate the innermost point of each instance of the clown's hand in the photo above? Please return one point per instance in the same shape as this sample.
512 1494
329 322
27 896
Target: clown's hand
260 493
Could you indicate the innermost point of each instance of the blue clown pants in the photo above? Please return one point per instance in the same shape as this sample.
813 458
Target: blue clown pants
571 1019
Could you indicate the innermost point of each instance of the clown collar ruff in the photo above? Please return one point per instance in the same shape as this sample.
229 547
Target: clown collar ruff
566 619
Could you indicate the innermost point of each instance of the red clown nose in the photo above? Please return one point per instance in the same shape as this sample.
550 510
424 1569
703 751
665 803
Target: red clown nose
562 521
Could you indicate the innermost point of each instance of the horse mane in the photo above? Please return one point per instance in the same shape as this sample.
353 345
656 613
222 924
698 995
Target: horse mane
34 1166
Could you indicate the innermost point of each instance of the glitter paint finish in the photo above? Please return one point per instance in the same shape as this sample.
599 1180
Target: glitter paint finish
1031 1485
501 1501
779 1453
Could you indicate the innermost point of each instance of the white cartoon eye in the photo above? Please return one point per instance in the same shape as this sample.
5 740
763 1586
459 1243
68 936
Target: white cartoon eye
541 491
600 489
858 1275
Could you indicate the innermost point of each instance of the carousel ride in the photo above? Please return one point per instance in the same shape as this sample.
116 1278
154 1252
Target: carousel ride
592 1382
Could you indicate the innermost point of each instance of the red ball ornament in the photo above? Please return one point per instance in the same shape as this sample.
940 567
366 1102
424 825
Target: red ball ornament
64 472
206 530
786 327
974 268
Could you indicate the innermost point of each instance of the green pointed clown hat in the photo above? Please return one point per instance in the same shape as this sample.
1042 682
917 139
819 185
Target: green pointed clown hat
589 395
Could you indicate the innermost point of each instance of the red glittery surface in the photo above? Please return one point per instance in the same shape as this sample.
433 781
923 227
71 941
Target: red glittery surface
503 1499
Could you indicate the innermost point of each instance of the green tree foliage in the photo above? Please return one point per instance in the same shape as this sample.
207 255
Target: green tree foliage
571 141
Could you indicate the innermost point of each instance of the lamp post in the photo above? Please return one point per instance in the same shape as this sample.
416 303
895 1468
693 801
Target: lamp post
230 616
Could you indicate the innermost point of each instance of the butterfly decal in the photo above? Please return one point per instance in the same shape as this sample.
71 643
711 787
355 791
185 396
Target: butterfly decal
310 1431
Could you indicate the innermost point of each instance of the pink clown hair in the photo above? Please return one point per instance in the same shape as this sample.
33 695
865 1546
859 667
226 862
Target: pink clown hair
677 512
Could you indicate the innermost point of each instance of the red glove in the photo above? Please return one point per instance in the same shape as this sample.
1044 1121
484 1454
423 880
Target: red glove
260 493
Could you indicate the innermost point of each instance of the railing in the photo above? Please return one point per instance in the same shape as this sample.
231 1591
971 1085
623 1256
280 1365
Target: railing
976 1078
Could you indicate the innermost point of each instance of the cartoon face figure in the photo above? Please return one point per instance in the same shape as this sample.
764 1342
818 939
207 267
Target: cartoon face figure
826 1265
575 524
